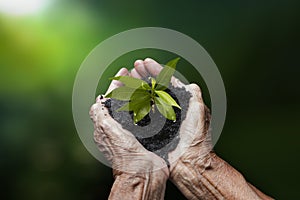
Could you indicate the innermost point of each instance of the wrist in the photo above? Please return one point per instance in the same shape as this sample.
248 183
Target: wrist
161 175
151 166
197 155
190 162
146 185
143 162
187 175
212 178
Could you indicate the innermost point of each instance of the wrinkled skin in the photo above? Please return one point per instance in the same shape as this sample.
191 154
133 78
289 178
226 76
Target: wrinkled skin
194 168
133 165
109 134
119 146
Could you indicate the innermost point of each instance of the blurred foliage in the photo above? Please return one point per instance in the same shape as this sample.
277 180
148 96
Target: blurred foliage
254 44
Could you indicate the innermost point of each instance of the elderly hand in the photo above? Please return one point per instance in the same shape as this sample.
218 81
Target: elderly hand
133 165
194 168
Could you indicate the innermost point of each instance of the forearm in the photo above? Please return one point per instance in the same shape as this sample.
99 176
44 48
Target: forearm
212 178
139 186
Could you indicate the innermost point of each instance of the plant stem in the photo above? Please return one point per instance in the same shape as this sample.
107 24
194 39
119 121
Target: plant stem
153 99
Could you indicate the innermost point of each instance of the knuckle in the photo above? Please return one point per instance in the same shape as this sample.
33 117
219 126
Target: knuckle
99 98
123 68
176 82
93 111
97 137
195 87
196 90
105 125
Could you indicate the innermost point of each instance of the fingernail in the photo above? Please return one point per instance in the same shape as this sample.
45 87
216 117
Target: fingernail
148 60
138 63
98 99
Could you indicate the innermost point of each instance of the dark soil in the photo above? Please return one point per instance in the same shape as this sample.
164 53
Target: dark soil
154 131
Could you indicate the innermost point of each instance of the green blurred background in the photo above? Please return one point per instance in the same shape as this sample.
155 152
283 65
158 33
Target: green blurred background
255 44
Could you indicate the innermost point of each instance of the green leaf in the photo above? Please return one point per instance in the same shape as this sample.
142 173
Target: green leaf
165 109
140 107
164 77
140 96
167 98
153 83
132 82
139 114
136 103
145 86
125 107
173 63
126 93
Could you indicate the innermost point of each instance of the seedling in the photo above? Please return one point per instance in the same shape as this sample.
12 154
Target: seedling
143 96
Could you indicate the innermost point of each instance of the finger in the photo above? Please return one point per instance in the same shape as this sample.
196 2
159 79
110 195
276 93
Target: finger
194 122
109 132
196 108
103 144
104 121
155 68
140 68
176 82
115 84
152 66
100 137
135 74
195 91
100 115
99 97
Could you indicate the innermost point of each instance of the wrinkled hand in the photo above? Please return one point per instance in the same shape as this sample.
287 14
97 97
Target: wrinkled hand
195 143
118 145
194 168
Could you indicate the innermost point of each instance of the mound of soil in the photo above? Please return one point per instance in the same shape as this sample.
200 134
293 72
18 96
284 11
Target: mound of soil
154 131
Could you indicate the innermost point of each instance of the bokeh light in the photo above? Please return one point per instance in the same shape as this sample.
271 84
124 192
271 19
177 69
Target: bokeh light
22 7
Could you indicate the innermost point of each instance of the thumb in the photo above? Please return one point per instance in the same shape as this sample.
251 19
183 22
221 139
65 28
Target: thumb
195 91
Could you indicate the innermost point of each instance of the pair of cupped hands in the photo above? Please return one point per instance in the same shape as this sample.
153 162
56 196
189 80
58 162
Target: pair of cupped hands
123 150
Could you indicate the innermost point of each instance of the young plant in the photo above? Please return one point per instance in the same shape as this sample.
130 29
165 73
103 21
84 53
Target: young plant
142 96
